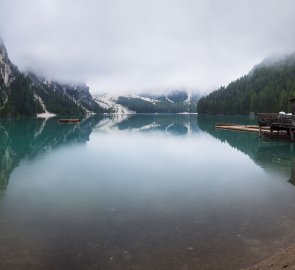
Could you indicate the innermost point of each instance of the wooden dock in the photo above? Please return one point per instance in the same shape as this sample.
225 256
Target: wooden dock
272 125
243 128
277 123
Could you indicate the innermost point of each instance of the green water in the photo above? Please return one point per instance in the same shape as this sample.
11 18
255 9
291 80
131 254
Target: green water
142 192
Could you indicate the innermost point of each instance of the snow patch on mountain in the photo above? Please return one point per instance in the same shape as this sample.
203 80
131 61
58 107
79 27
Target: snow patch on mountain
108 102
154 101
46 114
168 98
189 98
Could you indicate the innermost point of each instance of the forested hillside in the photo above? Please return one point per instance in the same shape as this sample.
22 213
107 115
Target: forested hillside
26 95
266 88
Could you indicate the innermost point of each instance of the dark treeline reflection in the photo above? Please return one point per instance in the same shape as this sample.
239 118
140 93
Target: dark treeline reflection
142 192
29 137
269 154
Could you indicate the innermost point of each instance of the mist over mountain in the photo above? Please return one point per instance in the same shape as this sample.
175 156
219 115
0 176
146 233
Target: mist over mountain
266 88
127 46
25 94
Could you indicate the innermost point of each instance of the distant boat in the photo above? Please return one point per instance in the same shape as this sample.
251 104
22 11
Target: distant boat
64 121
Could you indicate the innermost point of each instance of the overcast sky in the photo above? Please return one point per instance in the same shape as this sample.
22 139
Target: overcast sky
134 45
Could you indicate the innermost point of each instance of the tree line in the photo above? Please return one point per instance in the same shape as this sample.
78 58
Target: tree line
266 88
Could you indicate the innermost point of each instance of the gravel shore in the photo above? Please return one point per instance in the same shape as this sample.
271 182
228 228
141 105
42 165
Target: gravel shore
283 260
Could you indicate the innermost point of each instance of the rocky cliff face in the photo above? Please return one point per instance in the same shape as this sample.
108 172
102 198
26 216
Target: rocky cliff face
6 67
26 94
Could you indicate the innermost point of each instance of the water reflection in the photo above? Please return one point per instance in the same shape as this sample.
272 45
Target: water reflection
275 156
292 178
142 192
27 138
176 125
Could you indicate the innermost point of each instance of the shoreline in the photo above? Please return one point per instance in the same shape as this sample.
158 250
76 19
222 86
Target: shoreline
284 259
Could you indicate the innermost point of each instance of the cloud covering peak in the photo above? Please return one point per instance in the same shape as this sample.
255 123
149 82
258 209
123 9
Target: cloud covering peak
131 45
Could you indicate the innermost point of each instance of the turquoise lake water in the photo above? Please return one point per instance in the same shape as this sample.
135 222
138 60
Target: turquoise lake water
142 192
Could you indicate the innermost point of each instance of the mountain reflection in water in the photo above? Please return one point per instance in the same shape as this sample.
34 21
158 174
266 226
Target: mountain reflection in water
142 192
272 155
27 138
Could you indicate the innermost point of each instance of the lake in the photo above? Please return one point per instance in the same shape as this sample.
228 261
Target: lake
139 192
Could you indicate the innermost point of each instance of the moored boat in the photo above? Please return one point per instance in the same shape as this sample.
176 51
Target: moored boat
64 121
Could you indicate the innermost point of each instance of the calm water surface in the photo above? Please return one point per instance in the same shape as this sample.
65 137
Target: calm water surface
142 192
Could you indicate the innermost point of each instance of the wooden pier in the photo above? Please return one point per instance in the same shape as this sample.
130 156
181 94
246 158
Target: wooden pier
242 128
280 125
275 125
272 125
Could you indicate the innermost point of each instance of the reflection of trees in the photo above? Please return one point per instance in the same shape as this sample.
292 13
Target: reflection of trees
266 153
247 143
26 138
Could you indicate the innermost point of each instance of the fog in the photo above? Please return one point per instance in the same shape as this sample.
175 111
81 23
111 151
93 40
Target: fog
132 46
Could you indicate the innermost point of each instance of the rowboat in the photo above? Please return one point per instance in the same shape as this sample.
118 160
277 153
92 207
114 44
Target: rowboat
64 121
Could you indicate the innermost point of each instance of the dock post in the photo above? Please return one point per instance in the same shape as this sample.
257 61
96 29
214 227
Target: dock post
271 132
292 135
259 131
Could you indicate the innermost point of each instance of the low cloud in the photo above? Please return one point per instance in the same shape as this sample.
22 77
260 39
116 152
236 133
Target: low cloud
118 46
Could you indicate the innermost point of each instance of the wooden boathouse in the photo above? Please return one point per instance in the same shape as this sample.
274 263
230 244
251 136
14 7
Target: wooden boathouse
279 124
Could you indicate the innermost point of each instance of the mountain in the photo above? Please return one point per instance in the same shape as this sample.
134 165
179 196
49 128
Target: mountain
26 94
266 88
174 101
